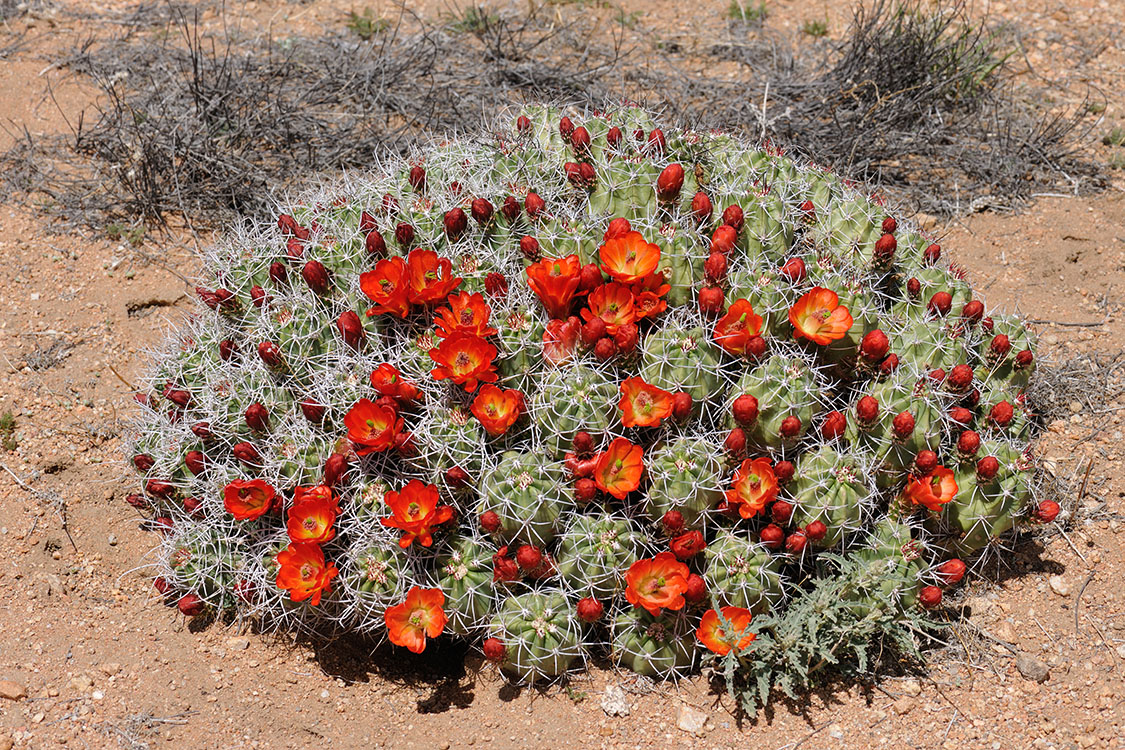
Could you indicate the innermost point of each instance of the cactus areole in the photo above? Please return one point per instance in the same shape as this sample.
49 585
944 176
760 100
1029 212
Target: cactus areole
515 385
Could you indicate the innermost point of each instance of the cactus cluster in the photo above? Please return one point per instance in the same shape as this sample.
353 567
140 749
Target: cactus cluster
580 386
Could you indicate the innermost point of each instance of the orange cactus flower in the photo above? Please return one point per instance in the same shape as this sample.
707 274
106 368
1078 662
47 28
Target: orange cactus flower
429 277
648 295
304 573
560 339
416 513
629 258
932 491
420 616
465 359
555 281
643 404
755 487
497 409
467 313
714 636
657 583
372 427
818 316
619 468
737 327
386 286
247 499
388 381
613 303
313 513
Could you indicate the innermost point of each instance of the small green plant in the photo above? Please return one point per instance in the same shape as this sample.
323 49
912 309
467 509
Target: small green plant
748 12
134 235
815 29
8 431
1115 137
628 20
473 19
366 25
1116 161
1095 108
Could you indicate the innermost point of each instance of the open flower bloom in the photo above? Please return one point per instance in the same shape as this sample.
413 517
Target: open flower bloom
388 381
555 281
465 359
372 427
386 287
818 316
304 573
714 636
629 258
416 512
755 487
430 278
932 491
421 615
497 409
247 499
613 303
467 313
313 513
648 295
560 339
657 583
619 469
737 327
642 404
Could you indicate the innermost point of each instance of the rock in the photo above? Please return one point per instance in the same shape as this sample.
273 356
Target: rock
1006 632
903 706
13 691
690 720
238 643
835 731
6 743
112 540
1032 669
911 687
1121 650
614 702
81 683
1059 585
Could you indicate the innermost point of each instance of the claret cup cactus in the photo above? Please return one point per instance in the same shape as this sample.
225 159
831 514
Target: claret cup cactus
607 389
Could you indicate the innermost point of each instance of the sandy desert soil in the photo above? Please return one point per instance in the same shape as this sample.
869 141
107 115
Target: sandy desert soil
90 658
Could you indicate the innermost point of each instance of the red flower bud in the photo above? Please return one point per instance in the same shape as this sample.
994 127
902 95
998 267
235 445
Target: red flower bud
586 175
940 303
163 524
367 222
874 346
178 397
932 254
294 249
375 244
523 125
834 425
885 248
889 225
613 137
529 557
417 179
688 545
772 536
405 445
590 609
605 349
580 140
626 337
925 462
257 296
816 531
682 403
482 211
790 427
529 246
986 324
316 276
929 597
903 425
257 417
715 267
1046 511
589 278
504 569
987 468
951 572
784 471
1001 414
673 522
195 462
795 542
490 521
566 128
162 586
202 430
583 444
271 355
404 234
496 285
335 469
723 239
279 274
755 348
143 461
493 648
656 143
745 410
973 311
1024 359
190 605
889 365
733 218
617 228
510 208
938 375
867 410
639 135
794 270
1000 346
711 301
534 205
701 207
960 377
194 507
913 287
585 490
781 511
808 210
389 206
455 223
313 411
670 182
735 442
137 501
247 454
968 443
351 329
961 415
696 589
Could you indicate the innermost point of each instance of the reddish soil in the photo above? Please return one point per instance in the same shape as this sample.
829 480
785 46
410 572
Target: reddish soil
104 664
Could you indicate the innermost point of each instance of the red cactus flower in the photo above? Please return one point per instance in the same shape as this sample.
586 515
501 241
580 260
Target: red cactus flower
420 616
313 514
734 330
247 499
372 427
560 339
643 404
388 381
467 313
932 491
718 639
688 545
657 583
416 513
613 303
497 409
429 277
386 286
818 316
628 259
555 281
755 486
304 573
648 295
465 359
619 469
